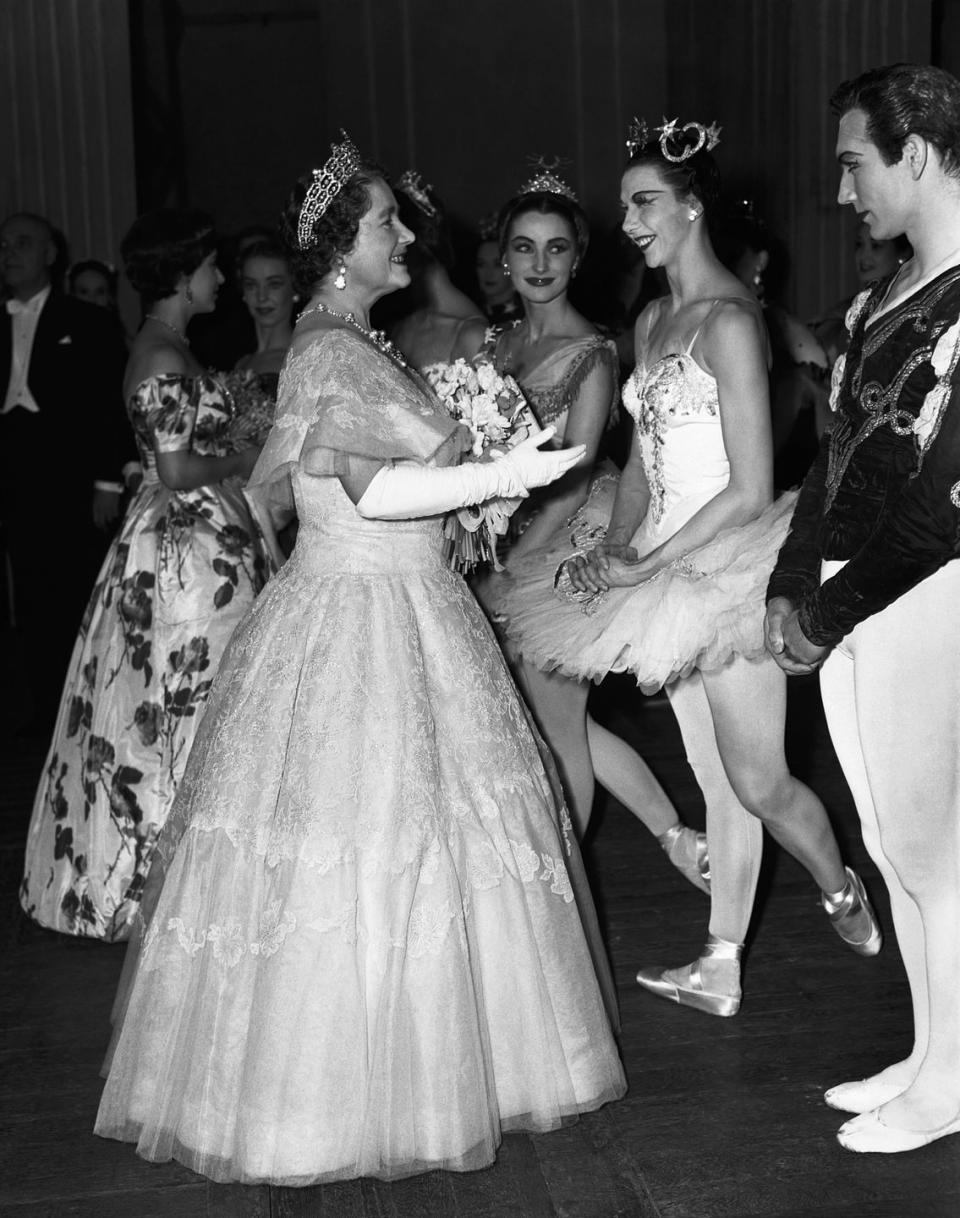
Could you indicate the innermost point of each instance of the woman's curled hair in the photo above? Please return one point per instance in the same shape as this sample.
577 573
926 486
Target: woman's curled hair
163 246
333 233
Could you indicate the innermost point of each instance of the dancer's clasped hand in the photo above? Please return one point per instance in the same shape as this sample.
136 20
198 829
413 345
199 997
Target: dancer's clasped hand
608 566
787 643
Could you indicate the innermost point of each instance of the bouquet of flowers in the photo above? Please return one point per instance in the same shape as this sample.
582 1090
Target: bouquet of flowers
255 406
495 412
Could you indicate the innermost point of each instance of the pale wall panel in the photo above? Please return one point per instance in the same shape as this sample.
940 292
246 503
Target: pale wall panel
67 139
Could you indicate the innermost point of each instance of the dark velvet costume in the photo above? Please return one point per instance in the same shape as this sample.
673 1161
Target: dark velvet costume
884 494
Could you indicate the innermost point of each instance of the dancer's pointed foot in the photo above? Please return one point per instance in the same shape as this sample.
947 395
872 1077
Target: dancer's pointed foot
852 916
687 850
711 983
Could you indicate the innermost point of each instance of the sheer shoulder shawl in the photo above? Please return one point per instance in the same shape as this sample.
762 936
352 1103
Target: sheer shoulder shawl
340 399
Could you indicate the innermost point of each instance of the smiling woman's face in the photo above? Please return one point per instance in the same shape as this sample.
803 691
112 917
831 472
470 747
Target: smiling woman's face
541 254
377 262
654 219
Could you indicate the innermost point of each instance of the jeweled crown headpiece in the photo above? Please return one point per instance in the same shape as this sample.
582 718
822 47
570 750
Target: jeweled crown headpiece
328 181
545 180
676 143
412 186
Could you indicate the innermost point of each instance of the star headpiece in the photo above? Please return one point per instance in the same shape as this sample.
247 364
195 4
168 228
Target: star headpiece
545 180
675 141
412 186
328 181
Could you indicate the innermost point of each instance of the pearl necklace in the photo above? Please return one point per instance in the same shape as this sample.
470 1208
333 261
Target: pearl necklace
377 337
172 328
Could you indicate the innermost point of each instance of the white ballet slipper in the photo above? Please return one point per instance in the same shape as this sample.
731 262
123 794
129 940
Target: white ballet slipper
864 1095
869 1134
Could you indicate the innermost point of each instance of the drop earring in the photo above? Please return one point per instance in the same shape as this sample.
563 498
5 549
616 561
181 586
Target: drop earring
341 280
506 270
693 214
188 294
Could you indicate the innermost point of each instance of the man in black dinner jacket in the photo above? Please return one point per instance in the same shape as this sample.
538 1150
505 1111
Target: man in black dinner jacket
63 443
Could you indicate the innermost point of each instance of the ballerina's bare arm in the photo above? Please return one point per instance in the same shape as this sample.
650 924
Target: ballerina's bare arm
733 350
586 422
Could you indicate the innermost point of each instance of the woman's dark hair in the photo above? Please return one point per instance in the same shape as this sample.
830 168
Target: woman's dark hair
906 99
433 242
98 267
697 177
163 246
271 248
333 233
544 203
736 233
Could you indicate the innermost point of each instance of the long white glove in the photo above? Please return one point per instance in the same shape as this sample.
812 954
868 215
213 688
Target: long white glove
404 492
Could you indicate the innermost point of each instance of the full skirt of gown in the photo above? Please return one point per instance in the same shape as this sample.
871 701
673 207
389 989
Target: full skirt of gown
177 579
373 949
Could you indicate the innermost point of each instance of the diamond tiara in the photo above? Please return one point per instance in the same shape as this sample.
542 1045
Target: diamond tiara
545 180
412 186
344 161
674 142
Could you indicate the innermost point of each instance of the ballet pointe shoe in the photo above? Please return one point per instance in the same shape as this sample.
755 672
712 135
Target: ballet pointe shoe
693 994
852 916
861 1096
869 1134
687 850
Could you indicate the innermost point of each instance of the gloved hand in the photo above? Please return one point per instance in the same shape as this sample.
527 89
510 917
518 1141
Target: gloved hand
405 492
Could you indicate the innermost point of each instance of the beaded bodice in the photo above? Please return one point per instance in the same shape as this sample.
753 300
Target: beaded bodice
675 406
554 383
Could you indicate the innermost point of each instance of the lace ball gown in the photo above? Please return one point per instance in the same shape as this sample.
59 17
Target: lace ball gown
373 949
178 577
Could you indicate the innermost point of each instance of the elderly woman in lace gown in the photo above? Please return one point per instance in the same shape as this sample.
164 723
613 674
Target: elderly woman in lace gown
373 949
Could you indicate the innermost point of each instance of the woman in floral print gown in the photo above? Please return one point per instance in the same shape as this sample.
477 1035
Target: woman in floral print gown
186 564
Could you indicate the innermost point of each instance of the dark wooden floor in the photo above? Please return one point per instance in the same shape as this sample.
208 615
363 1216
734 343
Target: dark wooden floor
723 1117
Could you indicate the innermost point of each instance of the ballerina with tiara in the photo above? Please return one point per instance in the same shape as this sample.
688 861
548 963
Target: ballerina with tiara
369 947
674 591
569 372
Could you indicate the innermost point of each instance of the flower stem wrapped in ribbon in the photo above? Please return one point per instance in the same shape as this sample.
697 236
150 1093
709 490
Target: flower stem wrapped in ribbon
493 409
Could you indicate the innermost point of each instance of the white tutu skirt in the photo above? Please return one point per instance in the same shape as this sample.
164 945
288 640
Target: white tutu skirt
699 612
373 949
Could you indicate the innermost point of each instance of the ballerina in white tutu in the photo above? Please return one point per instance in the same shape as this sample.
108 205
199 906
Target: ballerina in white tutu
569 374
675 592
373 949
